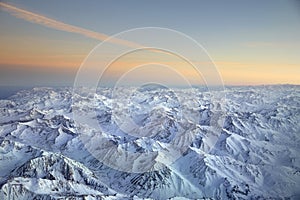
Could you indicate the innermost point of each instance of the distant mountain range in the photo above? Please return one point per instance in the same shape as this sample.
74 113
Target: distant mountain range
179 144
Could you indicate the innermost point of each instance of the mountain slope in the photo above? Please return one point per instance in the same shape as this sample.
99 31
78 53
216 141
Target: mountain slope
56 144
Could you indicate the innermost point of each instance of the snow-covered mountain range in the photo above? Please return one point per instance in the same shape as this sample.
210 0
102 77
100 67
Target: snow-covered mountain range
56 143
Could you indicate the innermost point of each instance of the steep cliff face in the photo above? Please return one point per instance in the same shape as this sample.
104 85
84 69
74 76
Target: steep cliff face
255 154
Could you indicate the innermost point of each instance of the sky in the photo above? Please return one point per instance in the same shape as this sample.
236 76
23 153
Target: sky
250 42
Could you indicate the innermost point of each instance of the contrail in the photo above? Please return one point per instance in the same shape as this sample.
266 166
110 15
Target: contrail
51 23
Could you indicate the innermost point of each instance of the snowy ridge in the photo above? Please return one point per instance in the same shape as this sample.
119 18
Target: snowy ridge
256 155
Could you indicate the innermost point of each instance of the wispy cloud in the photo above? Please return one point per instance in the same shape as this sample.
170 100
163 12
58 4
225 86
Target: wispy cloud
260 44
51 23
267 44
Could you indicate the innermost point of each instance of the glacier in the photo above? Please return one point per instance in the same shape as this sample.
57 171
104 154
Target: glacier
183 143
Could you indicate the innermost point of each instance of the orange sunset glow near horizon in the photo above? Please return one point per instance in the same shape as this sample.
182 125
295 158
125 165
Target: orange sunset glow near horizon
250 43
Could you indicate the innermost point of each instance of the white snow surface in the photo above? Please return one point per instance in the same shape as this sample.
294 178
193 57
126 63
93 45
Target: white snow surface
255 154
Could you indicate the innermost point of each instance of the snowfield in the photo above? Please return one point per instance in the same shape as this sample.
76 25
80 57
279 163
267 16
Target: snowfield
151 143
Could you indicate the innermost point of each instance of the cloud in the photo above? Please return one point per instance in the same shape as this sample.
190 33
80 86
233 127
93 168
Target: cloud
267 44
51 23
58 25
260 44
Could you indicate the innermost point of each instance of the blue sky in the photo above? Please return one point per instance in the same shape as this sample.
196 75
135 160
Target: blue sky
259 40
